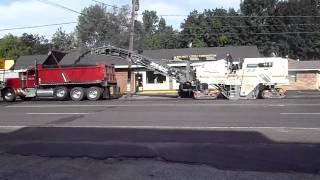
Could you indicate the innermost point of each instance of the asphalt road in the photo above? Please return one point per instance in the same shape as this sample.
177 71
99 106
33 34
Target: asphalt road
262 136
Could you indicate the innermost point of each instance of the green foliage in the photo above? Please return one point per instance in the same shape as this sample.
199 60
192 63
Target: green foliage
36 44
157 34
199 43
211 30
269 34
11 47
63 41
139 36
98 26
150 19
222 40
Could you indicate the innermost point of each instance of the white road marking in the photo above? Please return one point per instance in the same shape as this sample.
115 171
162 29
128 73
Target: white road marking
202 128
8 129
58 113
300 113
277 105
170 127
316 96
150 105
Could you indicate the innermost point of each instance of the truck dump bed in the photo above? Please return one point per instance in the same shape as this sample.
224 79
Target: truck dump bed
75 74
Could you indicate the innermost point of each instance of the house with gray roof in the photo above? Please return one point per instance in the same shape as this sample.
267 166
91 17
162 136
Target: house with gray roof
304 75
51 59
237 52
24 62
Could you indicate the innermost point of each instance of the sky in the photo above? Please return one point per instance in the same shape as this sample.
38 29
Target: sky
23 13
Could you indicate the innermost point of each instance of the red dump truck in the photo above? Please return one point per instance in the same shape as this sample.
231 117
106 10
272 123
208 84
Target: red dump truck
62 82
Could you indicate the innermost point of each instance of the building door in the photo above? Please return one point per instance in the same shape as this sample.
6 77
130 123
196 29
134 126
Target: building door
138 82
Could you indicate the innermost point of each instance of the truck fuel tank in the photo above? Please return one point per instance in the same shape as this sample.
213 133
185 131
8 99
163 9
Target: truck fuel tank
45 92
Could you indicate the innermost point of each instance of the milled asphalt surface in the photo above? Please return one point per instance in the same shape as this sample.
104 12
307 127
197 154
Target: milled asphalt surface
162 138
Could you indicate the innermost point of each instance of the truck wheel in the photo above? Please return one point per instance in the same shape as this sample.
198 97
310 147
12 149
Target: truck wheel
94 93
61 93
9 95
77 93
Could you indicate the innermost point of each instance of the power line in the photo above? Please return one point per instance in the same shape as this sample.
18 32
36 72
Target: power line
105 4
60 6
249 26
173 15
48 25
278 33
241 16
67 23
262 25
177 15
241 26
37 26
249 33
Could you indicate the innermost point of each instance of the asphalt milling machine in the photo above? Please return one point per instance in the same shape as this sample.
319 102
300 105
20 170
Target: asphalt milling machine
250 78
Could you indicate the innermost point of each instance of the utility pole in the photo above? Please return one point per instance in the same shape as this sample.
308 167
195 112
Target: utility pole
135 7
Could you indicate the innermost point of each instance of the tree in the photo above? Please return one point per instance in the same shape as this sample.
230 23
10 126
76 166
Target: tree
275 36
63 41
162 27
209 28
98 26
256 26
167 36
11 47
150 19
157 35
36 44
139 36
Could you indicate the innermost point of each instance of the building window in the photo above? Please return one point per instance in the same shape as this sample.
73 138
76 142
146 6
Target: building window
266 64
292 76
206 57
153 78
262 65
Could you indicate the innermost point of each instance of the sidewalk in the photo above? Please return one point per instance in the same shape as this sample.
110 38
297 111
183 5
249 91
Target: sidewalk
152 95
149 97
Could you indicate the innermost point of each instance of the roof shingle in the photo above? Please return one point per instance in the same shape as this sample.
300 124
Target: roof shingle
236 52
25 61
304 65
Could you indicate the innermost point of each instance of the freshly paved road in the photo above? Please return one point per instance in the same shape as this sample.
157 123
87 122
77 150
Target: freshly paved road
271 136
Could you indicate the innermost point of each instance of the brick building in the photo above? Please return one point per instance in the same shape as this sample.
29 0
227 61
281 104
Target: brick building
304 75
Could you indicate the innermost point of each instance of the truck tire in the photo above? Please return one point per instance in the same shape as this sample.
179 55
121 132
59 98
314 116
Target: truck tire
94 93
77 94
61 93
9 95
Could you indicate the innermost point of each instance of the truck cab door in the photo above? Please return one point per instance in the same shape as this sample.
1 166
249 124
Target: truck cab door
23 79
30 81
27 79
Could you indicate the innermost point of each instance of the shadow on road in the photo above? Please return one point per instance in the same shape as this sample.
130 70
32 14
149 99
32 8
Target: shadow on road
229 150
